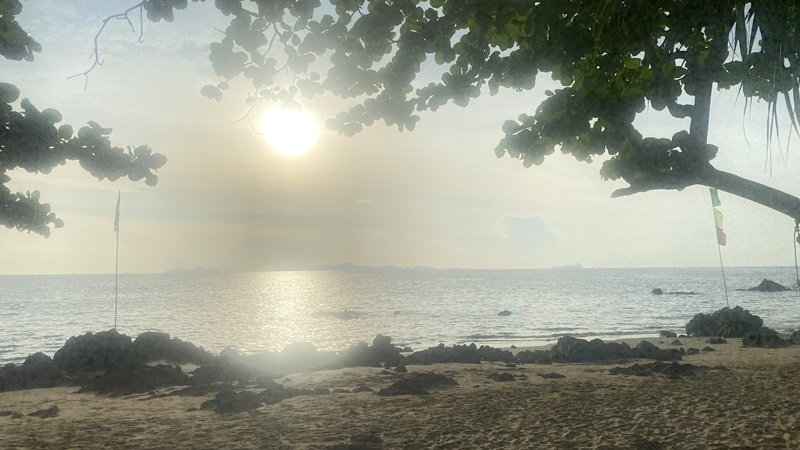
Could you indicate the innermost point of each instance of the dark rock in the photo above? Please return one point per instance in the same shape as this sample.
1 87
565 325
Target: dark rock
768 286
488 353
504 312
667 334
707 349
279 393
664 368
362 388
416 384
340 391
6 413
534 357
91 353
362 355
136 379
513 346
193 391
716 340
570 349
648 350
401 368
674 376
16 415
227 372
229 401
765 337
46 413
692 351
38 371
658 291
502 377
229 354
464 354
676 342
736 322
552 375
151 346
511 365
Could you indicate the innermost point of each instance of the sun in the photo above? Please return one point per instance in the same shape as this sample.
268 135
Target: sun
289 131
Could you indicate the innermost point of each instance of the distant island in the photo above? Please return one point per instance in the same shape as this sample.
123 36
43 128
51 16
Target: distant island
345 266
198 269
569 266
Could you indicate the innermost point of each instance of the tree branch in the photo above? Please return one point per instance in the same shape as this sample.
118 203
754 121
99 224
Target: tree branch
724 181
96 53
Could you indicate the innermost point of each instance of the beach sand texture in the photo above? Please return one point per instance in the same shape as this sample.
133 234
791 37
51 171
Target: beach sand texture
753 404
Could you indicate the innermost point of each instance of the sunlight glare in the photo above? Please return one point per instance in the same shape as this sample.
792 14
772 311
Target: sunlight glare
289 131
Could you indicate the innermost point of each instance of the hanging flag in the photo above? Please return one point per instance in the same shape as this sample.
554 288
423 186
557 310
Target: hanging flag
714 197
718 218
116 216
721 238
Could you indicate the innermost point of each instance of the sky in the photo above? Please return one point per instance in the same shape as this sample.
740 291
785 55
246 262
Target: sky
437 196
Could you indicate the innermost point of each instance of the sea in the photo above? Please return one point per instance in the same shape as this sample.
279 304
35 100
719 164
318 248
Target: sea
419 308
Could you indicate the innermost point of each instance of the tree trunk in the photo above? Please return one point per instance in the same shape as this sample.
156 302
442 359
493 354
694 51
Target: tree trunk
764 195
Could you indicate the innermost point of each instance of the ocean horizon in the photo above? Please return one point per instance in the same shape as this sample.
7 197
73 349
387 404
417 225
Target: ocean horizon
333 309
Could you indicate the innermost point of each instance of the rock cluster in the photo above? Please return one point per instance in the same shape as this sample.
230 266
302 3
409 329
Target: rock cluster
726 322
768 286
38 371
464 354
417 384
765 337
671 370
229 401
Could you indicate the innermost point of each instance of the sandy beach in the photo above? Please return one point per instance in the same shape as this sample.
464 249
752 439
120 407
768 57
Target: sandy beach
752 404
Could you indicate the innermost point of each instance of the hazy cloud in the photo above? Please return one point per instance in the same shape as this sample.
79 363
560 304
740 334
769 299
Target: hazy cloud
526 231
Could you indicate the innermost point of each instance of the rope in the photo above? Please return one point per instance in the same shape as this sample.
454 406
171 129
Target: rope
796 241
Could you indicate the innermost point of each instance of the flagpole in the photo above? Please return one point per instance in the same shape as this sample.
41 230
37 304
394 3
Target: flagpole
724 284
718 229
116 262
116 282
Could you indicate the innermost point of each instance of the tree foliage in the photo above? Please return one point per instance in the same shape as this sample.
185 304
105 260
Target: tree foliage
393 59
33 140
396 58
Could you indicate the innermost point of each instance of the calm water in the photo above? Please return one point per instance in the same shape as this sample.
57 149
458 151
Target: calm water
265 311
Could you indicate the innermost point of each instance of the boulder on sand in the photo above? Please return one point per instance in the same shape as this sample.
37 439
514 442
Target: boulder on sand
571 349
98 352
152 346
465 354
136 380
38 371
417 384
726 322
765 337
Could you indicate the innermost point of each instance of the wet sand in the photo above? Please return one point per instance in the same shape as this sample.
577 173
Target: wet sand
753 404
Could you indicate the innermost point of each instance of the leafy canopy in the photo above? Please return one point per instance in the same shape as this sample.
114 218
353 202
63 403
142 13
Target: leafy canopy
612 58
32 140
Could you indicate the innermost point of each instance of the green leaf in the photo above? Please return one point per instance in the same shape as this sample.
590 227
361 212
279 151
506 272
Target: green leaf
633 63
8 93
65 132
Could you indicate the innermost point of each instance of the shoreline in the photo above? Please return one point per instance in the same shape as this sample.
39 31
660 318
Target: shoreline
750 403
